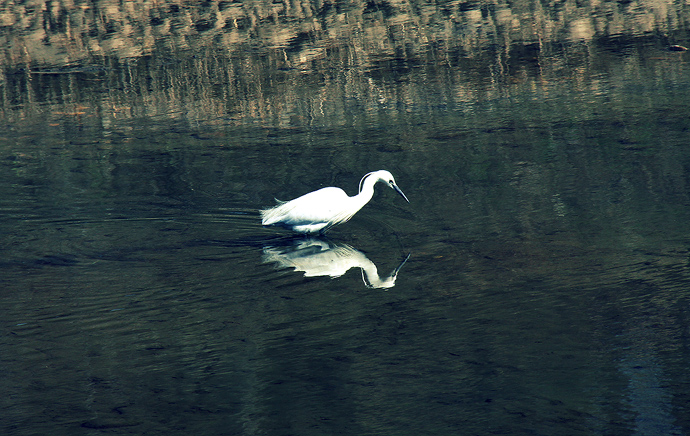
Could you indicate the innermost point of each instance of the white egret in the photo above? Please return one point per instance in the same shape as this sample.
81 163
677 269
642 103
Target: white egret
322 209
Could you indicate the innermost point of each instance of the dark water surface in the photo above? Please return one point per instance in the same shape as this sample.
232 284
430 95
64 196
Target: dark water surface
545 150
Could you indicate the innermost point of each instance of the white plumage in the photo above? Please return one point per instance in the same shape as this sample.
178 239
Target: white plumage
322 209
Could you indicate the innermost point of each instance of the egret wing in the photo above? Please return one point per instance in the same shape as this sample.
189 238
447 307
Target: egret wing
326 205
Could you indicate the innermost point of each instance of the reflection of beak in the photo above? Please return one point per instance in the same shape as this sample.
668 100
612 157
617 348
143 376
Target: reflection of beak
397 270
399 191
386 283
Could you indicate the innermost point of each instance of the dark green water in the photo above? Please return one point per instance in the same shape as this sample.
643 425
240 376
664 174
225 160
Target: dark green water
547 289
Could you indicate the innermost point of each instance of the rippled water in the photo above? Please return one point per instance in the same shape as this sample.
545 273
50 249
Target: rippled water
536 283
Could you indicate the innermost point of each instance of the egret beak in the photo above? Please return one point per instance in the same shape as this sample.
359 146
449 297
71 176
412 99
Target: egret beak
399 191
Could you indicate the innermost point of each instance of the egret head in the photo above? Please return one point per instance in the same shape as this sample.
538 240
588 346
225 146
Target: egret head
385 177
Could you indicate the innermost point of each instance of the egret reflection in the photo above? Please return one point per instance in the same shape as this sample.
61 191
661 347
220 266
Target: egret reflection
317 257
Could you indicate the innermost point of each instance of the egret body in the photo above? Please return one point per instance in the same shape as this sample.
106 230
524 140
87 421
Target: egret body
322 209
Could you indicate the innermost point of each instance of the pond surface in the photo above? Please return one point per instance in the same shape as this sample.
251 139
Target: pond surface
538 282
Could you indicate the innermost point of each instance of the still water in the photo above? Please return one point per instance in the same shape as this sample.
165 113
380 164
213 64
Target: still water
538 283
